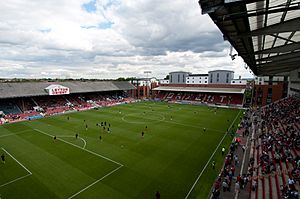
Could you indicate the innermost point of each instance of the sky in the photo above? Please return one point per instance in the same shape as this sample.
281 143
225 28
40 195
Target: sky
108 39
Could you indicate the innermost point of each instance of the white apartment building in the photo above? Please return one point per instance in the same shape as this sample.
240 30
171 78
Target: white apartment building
197 79
164 81
263 80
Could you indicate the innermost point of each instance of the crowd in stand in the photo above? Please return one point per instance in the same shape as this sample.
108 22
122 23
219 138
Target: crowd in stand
49 105
274 163
229 176
279 137
212 98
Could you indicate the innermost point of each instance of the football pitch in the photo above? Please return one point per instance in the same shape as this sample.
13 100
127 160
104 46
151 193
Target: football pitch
173 156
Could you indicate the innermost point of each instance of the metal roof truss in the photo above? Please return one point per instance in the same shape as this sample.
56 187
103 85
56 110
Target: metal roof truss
265 33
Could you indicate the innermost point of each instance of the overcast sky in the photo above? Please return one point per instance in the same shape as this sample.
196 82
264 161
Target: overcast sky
109 39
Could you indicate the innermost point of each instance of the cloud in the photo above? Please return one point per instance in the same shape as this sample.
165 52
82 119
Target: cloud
109 39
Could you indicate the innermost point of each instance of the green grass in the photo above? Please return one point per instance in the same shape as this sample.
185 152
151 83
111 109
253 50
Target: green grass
168 159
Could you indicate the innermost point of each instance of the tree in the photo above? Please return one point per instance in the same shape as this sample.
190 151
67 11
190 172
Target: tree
121 79
130 78
125 79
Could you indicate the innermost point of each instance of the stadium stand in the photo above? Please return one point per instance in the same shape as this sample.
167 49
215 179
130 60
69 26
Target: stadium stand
230 175
8 107
208 95
22 101
275 158
273 169
78 101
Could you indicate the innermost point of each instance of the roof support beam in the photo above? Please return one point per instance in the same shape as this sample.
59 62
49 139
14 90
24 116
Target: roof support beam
288 3
283 38
210 6
287 26
273 71
278 65
232 18
280 49
265 24
242 1
277 58
289 39
260 12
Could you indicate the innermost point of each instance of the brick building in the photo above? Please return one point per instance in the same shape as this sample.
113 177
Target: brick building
269 89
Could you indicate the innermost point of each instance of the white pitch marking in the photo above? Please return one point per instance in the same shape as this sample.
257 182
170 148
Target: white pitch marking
154 120
12 181
17 161
106 158
95 182
196 181
15 180
69 136
91 152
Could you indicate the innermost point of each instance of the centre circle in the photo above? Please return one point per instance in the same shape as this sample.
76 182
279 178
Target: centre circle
143 118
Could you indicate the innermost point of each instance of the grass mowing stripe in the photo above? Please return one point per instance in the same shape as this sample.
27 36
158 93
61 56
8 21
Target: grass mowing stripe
15 180
137 116
17 161
199 127
188 194
91 152
1 136
95 182
163 119
174 109
20 178
106 158
176 152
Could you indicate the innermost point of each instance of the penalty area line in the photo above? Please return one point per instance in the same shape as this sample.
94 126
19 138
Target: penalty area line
91 152
92 184
212 155
17 161
17 179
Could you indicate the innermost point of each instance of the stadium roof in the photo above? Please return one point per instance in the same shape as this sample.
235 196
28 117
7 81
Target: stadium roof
221 71
179 72
198 75
265 33
201 89
11 90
